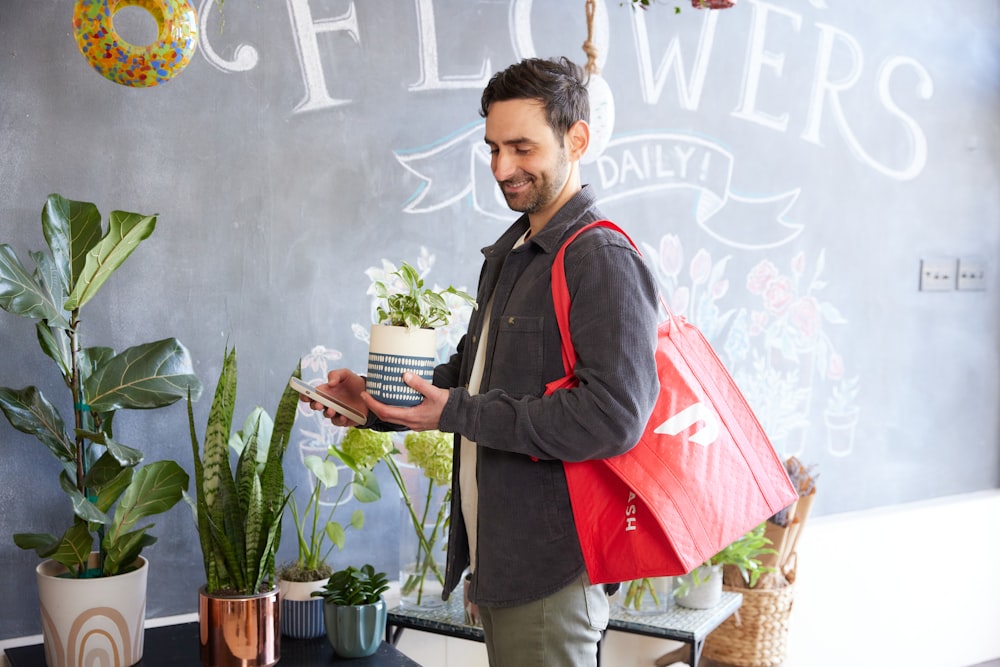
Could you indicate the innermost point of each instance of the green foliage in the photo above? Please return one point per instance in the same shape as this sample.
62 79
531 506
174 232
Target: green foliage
353 586
415 306
97 473
311 564
238 508
745 553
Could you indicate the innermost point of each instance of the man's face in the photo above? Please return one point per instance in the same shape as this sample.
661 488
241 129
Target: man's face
530 163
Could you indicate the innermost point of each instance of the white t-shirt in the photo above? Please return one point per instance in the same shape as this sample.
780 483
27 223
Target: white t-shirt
467 453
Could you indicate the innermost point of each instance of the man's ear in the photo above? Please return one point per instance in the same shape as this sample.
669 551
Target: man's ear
578 139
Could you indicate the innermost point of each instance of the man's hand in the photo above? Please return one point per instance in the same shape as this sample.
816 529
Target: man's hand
343 380
425 416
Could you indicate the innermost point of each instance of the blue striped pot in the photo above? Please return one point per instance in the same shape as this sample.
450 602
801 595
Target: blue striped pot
301 614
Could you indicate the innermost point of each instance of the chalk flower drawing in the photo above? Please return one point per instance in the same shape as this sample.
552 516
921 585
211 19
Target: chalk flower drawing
778 349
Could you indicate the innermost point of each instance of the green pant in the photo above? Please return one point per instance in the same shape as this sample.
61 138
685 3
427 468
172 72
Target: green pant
561 630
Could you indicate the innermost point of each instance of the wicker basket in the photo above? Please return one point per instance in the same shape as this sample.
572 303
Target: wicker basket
757 634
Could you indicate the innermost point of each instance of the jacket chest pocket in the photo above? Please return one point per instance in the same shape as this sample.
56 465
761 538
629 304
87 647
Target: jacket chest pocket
517 355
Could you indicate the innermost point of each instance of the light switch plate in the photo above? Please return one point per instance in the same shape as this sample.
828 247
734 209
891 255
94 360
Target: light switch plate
971 273
937 275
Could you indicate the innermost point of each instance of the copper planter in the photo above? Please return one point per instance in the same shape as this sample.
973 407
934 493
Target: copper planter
239 631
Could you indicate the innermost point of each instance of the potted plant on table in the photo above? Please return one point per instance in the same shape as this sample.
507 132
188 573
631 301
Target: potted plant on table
238 510
403 338
301 612
355 610
702 588
96 562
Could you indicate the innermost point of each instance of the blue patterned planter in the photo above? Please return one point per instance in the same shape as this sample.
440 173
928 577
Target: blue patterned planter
301 614
393 351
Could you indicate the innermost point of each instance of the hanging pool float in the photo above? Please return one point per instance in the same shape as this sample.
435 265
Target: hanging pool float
128 64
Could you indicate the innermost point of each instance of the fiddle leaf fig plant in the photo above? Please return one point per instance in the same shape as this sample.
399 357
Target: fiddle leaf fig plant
109 493
410 304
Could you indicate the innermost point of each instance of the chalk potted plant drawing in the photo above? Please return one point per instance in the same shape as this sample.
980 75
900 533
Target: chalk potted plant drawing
404 337
238 510
93 576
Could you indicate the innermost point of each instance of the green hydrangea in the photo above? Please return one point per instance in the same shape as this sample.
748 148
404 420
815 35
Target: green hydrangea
432 452
365 446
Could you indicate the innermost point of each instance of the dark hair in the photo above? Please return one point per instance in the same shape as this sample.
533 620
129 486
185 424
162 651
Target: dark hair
561 85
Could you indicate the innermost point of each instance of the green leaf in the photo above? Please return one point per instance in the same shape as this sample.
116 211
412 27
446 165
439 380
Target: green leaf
365 486
55 344
125 232
74 547
357 520
107 480
82 506
146 376
125 549
71 229
124 455
325 470
22 295
90 359
28 411
43 543
155 488
336 534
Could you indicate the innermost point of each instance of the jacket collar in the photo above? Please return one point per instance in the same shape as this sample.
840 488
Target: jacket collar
552 235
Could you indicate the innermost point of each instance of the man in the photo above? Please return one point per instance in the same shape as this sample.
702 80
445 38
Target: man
511 520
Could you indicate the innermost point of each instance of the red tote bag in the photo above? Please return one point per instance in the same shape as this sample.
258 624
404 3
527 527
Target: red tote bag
703 473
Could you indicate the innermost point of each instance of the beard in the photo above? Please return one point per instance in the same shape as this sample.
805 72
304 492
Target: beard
543 189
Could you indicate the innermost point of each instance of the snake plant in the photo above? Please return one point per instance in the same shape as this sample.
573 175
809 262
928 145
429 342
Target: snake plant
98 473
238 507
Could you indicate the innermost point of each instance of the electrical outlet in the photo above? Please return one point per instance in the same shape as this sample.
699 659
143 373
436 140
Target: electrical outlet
971 273
937 275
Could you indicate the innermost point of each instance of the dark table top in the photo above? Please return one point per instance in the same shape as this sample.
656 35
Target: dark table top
177 645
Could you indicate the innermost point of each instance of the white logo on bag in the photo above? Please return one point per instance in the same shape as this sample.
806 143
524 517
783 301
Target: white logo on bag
688 417
630 510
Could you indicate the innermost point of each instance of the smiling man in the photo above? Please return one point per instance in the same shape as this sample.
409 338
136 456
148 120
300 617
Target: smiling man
512 524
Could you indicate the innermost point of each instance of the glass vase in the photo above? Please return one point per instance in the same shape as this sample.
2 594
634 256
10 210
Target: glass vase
422 560
646 596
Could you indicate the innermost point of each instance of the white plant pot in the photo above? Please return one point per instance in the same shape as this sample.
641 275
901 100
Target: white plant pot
301 613
393 351
99 621
704 595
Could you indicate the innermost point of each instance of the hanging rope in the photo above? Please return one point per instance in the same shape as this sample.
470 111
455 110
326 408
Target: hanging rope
589 47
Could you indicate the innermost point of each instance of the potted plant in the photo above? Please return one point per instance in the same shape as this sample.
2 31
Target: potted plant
702 588
301 613
238 509
355 610
403 338
111 495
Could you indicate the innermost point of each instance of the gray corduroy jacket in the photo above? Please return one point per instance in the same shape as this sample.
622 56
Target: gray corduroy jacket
527 541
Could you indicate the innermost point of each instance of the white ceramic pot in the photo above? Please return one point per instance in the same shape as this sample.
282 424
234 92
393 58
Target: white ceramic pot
98 621
706 592
393 351
301 613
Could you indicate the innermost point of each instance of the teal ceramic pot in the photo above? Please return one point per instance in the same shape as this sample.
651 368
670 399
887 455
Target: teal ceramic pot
355 631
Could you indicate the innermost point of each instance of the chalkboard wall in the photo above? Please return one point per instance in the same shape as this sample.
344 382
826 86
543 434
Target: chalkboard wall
785 166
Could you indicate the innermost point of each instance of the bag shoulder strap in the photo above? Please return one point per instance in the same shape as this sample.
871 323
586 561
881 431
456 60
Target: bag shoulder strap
560 291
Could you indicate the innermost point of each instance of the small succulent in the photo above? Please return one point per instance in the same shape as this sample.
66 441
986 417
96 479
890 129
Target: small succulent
353 586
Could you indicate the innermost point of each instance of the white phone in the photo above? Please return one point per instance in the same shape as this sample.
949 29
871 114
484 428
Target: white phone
353 412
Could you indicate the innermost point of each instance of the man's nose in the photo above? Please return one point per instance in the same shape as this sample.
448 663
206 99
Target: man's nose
503 166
